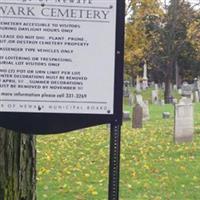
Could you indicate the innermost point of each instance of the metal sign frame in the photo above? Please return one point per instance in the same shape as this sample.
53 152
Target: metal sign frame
47 123
44 123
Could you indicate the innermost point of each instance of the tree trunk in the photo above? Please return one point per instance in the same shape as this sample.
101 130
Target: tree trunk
17 166
168 79
177 74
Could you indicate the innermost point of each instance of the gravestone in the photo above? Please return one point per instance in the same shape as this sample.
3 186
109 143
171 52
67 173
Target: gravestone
154 96
152 84
137 116
144 105
163 86
185 100
175 87
130 100
145 108
192 97
179 91
174 101
139 99
126 115
138 87
198 83
126 89
156 86
162 102
186 90
195 84
184 127
144 78
196 96
165 115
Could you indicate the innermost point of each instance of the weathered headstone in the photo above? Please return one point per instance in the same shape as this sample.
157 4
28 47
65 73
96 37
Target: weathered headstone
156 86
144 105
145 108
126 115
165 115
195 84
139 99
192 97
174 101
184 127
196 96
163 85
152 84
162 102
138 87
179 91
137 116
175 87
154 96
126 89
198 84
130 100
185 100
186 90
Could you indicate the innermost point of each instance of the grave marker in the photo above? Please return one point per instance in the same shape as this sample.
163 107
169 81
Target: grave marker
196 96
145 107
126 115
137 116
184 125
126 90
154 96
138 87
186 90
144 79
156 86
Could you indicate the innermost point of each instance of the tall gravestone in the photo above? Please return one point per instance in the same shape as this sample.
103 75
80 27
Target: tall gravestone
183 128
145 79
137 116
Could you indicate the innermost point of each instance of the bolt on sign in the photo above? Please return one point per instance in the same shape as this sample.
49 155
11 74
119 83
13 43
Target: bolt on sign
61 64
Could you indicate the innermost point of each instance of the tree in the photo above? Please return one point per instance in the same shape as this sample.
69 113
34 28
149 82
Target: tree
171 46
137 40
193 33
17 166
178 49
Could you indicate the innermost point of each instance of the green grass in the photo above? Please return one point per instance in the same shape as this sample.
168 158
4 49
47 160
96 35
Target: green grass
74 166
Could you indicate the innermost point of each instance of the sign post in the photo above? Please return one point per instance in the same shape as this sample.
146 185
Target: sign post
114 162
61 68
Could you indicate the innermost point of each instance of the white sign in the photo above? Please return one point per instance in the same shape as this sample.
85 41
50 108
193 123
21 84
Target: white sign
57 56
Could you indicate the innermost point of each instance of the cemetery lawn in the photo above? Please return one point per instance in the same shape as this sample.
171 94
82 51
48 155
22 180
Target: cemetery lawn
74 166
